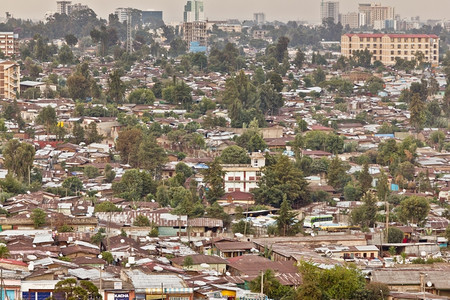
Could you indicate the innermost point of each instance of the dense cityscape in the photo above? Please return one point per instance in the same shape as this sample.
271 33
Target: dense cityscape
224 159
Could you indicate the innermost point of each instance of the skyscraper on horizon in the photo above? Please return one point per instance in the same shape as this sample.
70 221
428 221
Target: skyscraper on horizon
62 7
329 9
259 18
194 11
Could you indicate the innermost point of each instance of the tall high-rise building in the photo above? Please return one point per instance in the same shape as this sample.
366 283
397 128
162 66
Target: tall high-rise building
375 12
62 7
9 79
152 16
194 11
351 19
329 9
259 18
121 13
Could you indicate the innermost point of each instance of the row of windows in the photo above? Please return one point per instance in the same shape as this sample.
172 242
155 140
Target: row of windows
399 52
238 189
399 46
238 178
398 40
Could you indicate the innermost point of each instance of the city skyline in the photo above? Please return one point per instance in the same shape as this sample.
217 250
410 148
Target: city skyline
283 10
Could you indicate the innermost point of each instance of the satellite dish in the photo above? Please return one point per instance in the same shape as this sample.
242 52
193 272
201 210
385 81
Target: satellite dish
429 284
31 257
31 266
423 254
313 234
228 273
122 241
48 253
158 269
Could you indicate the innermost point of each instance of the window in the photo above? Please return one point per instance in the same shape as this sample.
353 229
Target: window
420 40
413 39
374 51
374 45
237 178
361 46
392 52
230 178
255 162
251 178
399 46
399 52
230 189
406 52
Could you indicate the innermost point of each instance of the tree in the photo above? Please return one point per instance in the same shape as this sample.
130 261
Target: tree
109 173
282 177
78 86
71 40
141 221
127 144
108 257
188 262
4 251
216 211
92 135
413 210
116 87
72 184
91 172
39 217
99 236
234 155
78 133
242 227
383 186
47 117
365 214
417 112
213 178
395 235
69 289
271 286
107 206
299 59
287 223
336 174
339 282
141 96
18 158
65 55
365 179
150 155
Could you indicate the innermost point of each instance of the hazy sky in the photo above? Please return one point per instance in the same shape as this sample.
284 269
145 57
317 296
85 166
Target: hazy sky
282 10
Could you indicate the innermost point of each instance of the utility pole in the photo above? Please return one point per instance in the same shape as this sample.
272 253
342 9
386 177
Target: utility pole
129 37
262 283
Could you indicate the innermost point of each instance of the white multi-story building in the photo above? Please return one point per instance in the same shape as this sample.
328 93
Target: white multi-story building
122 13
244 178
62 7
375 12
9 43
259 18
329 9
351 19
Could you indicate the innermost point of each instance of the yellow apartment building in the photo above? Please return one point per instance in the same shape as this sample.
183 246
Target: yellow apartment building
386 47
9 79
